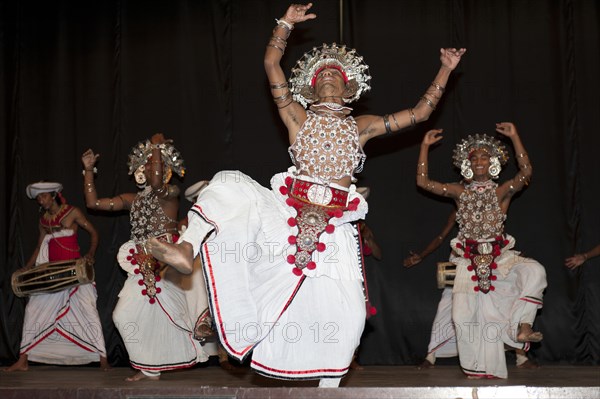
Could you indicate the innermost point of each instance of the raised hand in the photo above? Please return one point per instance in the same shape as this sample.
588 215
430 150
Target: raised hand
432 137
297 13
89 159
507 129
450 57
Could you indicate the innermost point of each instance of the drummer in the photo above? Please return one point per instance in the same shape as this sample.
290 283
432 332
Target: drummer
61 327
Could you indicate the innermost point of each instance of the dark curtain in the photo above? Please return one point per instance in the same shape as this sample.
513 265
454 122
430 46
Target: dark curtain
105 75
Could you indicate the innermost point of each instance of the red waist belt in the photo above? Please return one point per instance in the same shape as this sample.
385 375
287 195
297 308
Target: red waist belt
318 194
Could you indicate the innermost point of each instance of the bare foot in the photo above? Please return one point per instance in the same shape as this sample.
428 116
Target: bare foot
526 334
180 256
20 365
426 364
141 376
104 364
529 364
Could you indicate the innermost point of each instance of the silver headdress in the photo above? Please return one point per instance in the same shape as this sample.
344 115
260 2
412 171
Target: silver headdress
493 147
350 63
141 152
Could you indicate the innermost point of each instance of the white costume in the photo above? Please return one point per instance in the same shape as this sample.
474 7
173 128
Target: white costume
495 289
298 326
62 327
152 313
283 266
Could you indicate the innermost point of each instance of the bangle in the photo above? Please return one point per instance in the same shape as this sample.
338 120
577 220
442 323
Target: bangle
413 119
276 86
438 86
396 122
95 170
386 123
522 155
284 24
428 102
277 47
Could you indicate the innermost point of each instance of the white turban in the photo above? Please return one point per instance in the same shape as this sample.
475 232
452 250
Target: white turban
34 189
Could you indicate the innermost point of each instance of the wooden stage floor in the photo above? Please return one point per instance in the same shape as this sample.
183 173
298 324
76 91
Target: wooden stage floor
551 381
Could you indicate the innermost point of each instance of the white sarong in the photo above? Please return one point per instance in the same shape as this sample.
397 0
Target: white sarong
298 327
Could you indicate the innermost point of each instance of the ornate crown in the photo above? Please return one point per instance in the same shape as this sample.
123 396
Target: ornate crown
142 151
352 65
493 147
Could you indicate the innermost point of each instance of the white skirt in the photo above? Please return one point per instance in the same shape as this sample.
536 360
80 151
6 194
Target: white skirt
62 327
158 336
298 327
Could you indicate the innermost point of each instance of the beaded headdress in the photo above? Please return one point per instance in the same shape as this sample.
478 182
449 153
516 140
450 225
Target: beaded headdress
493 147
340 57
141 152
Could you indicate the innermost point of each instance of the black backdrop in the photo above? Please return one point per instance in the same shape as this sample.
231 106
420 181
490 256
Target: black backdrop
105 75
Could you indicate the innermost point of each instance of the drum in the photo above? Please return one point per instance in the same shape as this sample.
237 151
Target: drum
446 272
51 277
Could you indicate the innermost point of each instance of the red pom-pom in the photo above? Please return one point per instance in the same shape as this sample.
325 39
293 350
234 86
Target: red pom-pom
493 278
321 247
466 255
492 288
329 228
158 290
355 201
131 250
372 310
129 257
292 222
134 261
505 242
144 292
136 271
338 213
292 240
283 190
330 214
474 278
311 265
141 282
290 201
297 271
459 245
152 300
470 268
291 259
352 207
476 289
157 278
288 181
493 265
